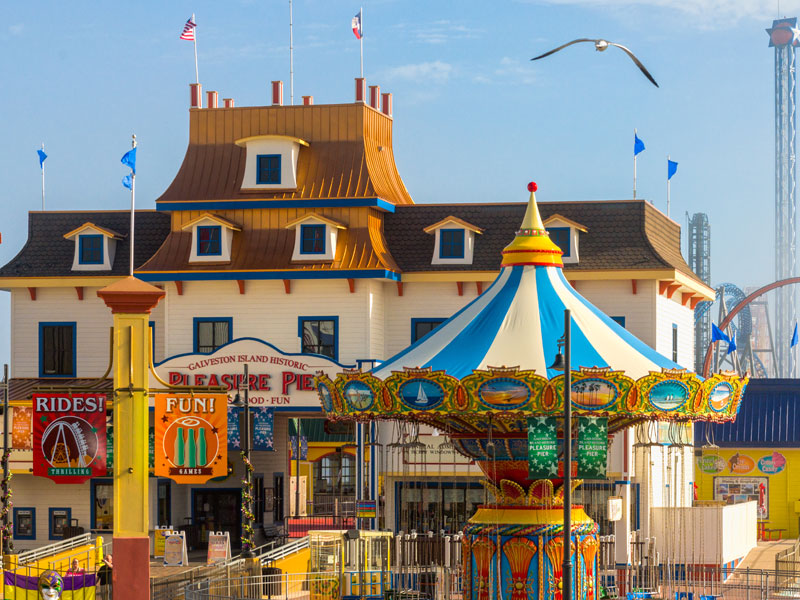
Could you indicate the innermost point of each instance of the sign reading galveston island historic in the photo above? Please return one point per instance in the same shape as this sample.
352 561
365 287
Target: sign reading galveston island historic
69 436
276 378
191 436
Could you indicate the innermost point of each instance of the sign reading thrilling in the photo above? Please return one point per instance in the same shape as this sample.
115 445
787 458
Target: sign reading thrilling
69 436
191 437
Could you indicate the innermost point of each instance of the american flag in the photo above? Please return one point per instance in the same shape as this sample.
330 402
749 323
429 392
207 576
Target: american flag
188 30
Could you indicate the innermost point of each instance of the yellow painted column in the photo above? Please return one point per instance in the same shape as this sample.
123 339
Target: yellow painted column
131 301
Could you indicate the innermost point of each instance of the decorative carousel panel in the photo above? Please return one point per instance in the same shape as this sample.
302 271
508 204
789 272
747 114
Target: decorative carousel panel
420 390
599 389
722 396
503 389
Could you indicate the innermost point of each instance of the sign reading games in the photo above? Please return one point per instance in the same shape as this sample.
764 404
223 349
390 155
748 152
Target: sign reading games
69 436
276 378
191 437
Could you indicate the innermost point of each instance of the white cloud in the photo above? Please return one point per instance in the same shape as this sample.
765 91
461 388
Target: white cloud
16 29
440 32
705 12
510 69
436 71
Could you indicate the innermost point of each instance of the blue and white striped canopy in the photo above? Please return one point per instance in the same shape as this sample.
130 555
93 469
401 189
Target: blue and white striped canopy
518 321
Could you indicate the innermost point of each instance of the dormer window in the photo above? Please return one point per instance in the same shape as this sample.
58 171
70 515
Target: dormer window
209 240
212 238
95 247
270 162
91 249
454 241
312 239
315 237
451 243
564 233
269 169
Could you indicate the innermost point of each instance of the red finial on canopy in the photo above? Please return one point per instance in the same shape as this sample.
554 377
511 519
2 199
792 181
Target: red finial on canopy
532 187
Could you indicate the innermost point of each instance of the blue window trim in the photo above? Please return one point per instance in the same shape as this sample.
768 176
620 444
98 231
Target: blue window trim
74 325
335 320
619 321
81 259
414 322
259 170
441 243
153 339
552 230
197 320
33 514
218 229
50 513
93 501
315 227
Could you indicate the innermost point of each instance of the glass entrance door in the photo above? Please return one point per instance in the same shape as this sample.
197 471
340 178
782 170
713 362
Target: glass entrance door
218 510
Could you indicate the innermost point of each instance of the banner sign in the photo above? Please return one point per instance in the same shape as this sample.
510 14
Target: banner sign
234 435
22 428
592 447
276 378
542 447
293 447
366 509
262 428
191 436
69 436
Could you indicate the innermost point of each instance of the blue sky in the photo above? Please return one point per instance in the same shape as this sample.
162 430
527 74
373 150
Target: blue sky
474 119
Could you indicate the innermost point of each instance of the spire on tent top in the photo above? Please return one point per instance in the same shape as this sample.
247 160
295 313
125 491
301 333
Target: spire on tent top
532 245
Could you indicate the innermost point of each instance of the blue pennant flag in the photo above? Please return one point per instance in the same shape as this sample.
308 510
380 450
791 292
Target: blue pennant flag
795 340
638 145
672 168
731 346
129 160
127 181
42 156
717 335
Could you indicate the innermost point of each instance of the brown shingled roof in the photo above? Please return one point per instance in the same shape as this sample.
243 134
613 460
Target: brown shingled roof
349 154
622 235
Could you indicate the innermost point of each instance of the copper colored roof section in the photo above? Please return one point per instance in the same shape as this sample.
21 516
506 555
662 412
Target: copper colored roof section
21 388
265 244
131 296
349 154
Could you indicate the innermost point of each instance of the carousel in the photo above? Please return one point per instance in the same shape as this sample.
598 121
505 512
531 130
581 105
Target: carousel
482 378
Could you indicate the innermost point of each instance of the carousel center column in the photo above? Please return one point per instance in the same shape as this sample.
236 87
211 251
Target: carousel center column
131 301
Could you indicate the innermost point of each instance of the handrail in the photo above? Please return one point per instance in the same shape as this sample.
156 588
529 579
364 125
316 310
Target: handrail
30 556
284 551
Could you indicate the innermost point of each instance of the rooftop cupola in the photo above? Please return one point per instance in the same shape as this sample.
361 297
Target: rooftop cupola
532 244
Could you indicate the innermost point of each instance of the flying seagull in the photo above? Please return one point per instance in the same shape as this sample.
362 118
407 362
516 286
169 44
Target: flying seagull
600 46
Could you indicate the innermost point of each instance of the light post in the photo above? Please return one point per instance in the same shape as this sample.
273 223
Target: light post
563 363
247 539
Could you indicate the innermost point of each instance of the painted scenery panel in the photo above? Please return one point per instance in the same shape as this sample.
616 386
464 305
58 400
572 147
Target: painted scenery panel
594 394
358 395
421 394
668 395
720 396
504 392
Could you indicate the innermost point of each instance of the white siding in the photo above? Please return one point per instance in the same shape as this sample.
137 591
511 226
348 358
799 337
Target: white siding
376 303
92 317
669 313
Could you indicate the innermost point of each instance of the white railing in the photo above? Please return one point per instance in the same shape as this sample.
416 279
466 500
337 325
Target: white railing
283 551
30 556
286 586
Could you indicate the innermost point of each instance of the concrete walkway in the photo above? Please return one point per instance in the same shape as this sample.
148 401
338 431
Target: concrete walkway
763 555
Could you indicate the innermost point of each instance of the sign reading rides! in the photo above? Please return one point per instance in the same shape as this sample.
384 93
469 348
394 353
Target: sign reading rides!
69 436
191 436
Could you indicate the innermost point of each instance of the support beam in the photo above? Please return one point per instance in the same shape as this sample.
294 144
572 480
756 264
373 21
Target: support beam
671 289
572 283
287 286
460 286
352 284
79 291
399 288
240 283
32 292
479 285
179 287
685 297
694 302
633 286
662 286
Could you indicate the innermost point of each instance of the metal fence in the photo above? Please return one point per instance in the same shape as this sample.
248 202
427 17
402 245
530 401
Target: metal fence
294 586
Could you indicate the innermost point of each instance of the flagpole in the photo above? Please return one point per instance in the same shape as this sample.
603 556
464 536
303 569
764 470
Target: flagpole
634 166
42 178
196 72
133 204
668 179
361 39
291 56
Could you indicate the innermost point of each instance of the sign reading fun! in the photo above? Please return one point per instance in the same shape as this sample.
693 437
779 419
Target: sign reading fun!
191 436
69 436
276 378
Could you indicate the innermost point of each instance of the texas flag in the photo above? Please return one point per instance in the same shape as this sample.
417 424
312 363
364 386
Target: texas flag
357 25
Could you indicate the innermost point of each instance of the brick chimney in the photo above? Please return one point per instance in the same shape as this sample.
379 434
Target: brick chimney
196 95
277 93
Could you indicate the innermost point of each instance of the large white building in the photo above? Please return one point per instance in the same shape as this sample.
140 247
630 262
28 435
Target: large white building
289 229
